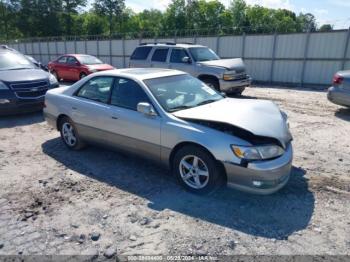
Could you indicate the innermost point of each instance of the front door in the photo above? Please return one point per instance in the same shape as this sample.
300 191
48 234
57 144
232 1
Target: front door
176 60
136 132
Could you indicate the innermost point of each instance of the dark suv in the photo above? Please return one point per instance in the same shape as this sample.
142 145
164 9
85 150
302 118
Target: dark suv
22 84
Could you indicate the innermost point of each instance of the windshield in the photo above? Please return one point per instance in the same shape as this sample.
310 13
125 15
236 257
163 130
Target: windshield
181 92
14 61
201 54
89 60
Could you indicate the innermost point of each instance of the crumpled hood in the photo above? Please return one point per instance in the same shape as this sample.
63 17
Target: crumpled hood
260 117
100 67
23 75
229 64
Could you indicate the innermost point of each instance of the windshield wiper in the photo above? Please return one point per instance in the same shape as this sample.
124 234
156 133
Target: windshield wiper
179 108
207 102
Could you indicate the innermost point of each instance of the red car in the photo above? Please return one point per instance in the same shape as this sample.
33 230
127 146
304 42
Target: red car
75 66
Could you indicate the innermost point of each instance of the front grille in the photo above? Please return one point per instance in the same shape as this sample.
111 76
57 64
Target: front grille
30 89
241 76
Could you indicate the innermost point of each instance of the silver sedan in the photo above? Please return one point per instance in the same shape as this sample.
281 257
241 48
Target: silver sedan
206 139
339 93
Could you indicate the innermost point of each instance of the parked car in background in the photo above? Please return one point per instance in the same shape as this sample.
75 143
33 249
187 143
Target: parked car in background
74 67
226 75
37 63
171 117
339 93
22 85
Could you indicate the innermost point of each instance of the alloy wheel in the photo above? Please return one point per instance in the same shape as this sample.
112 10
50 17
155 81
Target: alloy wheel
194 172
69 134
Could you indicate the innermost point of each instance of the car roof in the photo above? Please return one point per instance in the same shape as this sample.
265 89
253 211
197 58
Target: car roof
182 45
141 73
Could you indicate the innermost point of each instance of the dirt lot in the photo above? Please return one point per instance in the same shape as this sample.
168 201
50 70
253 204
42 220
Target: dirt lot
54 201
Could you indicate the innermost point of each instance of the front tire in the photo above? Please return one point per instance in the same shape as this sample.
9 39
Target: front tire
82 75
213 83
69 134
196 170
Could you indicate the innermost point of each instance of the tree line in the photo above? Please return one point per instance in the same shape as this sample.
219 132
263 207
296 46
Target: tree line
45 18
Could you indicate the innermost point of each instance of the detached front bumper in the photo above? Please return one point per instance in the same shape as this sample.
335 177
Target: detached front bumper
234 86
339 96
261 177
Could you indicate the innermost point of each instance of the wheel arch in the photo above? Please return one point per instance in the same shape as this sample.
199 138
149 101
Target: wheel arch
190 143
59 119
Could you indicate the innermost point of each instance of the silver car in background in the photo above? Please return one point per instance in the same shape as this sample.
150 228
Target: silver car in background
339 93
225 75
175 119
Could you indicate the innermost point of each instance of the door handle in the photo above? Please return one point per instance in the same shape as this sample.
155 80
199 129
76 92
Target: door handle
74 108
114 117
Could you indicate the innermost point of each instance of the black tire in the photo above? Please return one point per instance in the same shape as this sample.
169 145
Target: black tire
215 177
82 75
79 143
211 82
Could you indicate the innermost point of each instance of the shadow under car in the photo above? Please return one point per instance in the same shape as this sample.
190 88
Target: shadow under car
273 216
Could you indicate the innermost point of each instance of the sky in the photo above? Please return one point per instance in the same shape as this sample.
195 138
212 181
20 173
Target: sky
335 12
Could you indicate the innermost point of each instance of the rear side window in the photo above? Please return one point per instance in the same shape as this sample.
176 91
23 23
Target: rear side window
160 55
141 53
97 89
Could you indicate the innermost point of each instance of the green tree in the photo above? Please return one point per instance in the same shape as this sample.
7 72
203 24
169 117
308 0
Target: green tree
69 9
238 10
325 28
307 22
113 8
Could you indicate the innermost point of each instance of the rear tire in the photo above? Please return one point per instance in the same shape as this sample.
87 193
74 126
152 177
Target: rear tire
69 134
196 170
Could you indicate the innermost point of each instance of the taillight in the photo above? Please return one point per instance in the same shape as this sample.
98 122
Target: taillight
337 79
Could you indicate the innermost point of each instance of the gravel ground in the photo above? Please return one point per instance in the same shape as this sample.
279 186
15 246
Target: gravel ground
98 202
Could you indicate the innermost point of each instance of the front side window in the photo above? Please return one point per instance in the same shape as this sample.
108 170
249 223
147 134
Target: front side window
177 55
14 61
160 55
181 92
62 60
97 89
127 93
71 60
141 53
201 54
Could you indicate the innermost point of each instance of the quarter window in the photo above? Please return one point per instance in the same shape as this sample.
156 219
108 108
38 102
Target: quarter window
97 89
141 53
160 55
127 93
177 55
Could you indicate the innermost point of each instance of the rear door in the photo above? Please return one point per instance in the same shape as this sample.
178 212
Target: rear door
159 57
60 67
72 68
90 110
139 57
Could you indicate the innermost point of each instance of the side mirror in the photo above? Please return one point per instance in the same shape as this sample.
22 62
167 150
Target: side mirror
186 60
146 109
223 94
77 63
